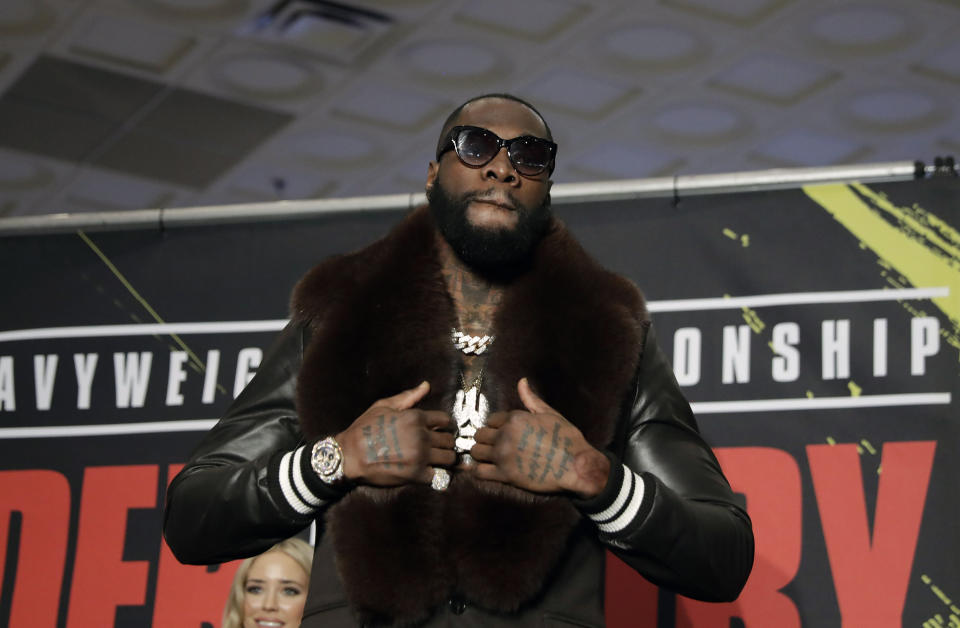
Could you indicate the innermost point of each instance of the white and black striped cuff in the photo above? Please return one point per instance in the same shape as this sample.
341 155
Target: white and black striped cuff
621 505
291 484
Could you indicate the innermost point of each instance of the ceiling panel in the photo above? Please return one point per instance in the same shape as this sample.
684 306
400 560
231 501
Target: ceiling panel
134 43
83 89
52 131
76 113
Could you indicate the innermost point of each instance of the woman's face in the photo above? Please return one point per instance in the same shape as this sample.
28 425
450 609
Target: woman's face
274 593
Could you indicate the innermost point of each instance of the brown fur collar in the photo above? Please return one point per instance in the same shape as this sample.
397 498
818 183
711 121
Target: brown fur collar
381 320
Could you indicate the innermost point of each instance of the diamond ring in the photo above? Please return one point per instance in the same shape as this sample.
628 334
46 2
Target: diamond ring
441 479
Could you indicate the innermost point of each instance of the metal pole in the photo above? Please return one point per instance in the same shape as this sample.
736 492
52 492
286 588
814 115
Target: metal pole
562 194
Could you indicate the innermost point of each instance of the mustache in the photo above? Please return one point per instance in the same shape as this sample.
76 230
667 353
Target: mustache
491 195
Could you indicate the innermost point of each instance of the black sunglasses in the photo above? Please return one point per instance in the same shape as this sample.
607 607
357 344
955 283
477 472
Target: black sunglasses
477 147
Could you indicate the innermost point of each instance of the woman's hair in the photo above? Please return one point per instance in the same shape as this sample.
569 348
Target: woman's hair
297 549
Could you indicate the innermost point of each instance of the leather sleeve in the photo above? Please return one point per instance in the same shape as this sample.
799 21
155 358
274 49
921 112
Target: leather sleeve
686 531
224 504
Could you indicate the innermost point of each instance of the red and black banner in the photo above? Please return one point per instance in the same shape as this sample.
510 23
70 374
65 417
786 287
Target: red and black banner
816 332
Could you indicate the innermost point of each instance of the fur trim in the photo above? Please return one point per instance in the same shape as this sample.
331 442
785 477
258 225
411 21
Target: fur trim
381 319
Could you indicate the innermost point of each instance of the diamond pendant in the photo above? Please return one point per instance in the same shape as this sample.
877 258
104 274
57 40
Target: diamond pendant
470 410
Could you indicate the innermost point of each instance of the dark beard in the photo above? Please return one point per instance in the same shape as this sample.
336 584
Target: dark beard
493 252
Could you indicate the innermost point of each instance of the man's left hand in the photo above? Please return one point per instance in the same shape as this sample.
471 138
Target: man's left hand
538 450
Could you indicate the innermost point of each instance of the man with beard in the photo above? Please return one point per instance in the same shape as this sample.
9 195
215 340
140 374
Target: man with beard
472 409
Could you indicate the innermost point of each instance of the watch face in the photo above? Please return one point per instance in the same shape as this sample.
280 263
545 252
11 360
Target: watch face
326 459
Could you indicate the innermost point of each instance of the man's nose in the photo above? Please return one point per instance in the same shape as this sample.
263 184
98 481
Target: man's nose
500 169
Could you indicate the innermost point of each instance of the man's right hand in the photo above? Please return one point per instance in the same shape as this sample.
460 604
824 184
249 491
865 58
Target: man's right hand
393 443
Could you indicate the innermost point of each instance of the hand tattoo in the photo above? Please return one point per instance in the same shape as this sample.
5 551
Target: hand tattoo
558 451
377 447
396 441
535 456
554 444
370 443
565 460
524 437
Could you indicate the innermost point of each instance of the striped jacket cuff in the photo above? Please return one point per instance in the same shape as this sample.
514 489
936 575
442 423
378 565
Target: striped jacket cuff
623 504
295 486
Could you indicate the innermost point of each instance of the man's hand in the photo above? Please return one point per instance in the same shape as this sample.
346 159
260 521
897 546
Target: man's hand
393 443
538 450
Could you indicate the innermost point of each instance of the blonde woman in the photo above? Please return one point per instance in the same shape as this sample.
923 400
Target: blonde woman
269 590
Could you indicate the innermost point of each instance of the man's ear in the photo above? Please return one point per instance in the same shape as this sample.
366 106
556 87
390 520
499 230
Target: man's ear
433 168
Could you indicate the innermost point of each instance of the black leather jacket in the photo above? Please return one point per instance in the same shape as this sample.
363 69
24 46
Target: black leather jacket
695 538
